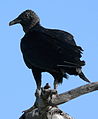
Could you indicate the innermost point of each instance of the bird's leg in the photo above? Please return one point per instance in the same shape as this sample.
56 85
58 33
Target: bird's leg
38 90
37 76
55 84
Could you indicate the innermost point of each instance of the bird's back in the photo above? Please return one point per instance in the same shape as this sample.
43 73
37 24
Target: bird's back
47 48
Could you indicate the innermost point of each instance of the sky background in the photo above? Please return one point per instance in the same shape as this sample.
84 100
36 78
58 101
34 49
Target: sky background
17 86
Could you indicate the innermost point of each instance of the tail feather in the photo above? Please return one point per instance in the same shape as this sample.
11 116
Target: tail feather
66 66
73 69
82 76
71 64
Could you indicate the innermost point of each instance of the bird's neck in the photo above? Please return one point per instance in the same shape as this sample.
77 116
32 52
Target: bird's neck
26 28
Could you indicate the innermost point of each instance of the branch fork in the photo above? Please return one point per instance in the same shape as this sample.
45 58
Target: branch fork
45 106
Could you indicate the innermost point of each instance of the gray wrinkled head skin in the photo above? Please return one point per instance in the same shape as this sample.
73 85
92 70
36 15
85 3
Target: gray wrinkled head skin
27 19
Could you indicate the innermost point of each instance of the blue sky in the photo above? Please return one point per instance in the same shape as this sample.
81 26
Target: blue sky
17 87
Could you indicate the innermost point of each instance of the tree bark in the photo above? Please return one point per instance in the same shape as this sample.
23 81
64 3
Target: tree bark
74 93
45 106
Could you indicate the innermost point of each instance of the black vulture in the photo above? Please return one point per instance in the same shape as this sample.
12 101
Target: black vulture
48 50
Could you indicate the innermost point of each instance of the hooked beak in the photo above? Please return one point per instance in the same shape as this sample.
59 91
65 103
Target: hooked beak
15 21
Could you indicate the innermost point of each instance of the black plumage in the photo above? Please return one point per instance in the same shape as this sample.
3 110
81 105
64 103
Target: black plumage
48 50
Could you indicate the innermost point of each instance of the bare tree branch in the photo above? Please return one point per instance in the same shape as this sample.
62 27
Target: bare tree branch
45 106
74 93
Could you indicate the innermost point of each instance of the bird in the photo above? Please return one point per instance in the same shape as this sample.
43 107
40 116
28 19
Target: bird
49 50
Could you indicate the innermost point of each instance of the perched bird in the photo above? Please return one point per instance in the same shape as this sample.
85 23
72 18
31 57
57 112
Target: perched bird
48 50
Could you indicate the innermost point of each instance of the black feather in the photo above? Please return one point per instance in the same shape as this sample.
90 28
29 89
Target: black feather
48 50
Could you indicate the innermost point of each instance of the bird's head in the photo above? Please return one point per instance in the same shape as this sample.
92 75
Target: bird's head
27 19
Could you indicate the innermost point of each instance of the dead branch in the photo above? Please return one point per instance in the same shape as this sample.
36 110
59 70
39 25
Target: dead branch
74 93
45 106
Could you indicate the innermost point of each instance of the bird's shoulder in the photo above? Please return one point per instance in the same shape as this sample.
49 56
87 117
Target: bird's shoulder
52 34
61 36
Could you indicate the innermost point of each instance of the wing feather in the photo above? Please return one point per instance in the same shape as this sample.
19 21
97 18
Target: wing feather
46 49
